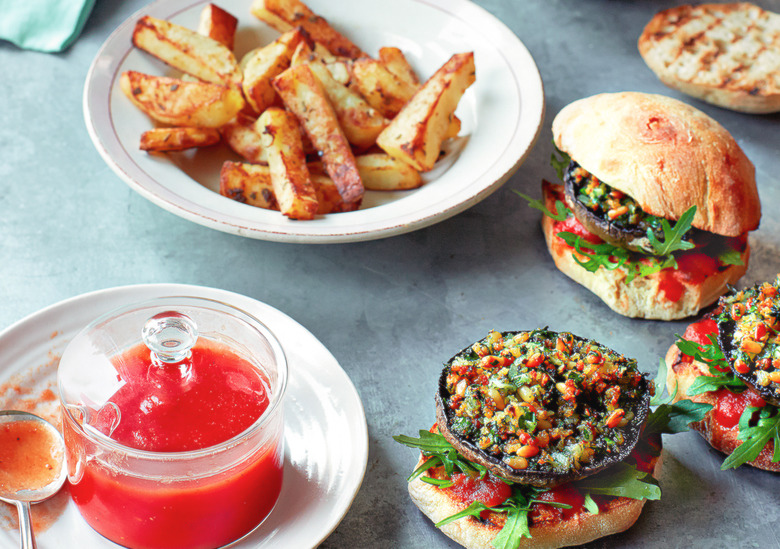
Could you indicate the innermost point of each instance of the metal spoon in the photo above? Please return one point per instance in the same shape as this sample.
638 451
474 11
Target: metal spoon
22 498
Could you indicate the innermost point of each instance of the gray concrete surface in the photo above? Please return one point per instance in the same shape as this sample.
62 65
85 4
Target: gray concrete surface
392 310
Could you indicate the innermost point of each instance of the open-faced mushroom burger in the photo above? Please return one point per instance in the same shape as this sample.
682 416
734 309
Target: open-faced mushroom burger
540 441
730 360
655 207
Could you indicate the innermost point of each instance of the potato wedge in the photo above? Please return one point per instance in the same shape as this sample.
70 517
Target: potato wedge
395 61
218 25
382 172
248 183
251 184
416 134
261 65
359 121
383 90
178 139
186 50
241 136
284 15
303 95
179 103
289 175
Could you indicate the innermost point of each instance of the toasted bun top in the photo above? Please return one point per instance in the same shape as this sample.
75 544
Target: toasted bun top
665 154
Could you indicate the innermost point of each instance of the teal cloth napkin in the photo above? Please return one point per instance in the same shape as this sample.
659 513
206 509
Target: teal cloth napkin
43 25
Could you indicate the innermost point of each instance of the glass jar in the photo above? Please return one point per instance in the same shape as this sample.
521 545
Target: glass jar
172 417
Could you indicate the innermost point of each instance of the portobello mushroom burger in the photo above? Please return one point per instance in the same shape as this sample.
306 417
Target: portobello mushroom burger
730 361
655 204
542 439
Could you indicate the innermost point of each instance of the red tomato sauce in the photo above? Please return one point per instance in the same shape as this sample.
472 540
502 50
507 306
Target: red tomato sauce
571 224
169 409
729 406
693 268
28 456
490 490
176 408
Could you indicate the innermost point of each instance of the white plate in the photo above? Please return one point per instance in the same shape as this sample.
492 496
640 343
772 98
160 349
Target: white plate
501 113
325 426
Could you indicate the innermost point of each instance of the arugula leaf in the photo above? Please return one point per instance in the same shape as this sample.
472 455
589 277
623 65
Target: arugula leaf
672 236
755 438
590 505
674 418
622 480
597 255
712 355
559 164
659 383
514 530
441 452
561 211
730 256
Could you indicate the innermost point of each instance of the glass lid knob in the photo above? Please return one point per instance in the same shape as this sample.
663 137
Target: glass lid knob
170 336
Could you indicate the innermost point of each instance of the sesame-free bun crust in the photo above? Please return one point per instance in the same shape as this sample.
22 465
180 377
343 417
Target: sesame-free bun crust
642 297
681 374
724 54
665 154
620 515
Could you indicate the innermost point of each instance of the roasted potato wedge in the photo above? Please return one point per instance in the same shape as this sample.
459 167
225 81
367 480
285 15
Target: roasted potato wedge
261 65
248 183
382 89
359 121
179 103
284 15
218 25
251 184
416 134
186 50
178 139
395 61
241 136
304 96
382 172
289 175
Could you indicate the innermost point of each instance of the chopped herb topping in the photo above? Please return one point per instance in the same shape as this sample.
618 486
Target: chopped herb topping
544 401
608 203
749 325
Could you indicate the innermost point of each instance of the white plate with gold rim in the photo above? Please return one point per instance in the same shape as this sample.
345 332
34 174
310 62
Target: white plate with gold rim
501 115
325 426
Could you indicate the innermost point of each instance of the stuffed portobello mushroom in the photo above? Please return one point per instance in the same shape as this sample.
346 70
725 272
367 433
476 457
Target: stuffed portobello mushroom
749 335
540 407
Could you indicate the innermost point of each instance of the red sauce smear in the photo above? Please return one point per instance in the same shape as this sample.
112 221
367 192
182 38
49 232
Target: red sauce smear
693 268
729 406
571 224
29 456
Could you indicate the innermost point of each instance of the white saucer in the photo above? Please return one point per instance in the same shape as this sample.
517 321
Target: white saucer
325 426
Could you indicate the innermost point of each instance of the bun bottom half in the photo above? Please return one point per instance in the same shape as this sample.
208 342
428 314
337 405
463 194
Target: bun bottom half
681 373
616 516
643 297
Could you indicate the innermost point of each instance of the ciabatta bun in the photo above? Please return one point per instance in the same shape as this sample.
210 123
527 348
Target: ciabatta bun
642 297
724 54
666 155
680 375
619 515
